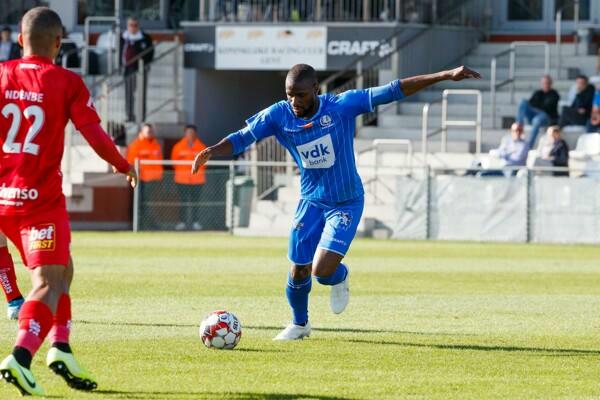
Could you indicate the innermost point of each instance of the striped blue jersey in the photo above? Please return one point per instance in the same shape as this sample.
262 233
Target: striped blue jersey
322 146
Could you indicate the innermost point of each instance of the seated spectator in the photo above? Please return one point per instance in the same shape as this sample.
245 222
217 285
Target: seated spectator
541 109
9 50
579 111
69 51
559 154
594 123
512 152
188 186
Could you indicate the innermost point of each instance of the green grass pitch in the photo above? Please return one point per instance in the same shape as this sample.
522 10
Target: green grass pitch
426 320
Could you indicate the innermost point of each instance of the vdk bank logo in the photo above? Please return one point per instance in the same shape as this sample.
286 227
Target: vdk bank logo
317 154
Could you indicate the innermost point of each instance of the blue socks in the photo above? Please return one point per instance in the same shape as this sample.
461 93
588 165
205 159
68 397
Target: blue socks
297 295
338 276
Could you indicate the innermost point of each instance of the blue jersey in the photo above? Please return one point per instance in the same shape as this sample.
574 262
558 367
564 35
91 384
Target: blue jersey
322 146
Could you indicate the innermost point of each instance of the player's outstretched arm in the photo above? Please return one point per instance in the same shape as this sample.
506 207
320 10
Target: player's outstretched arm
223 148
105 148
414 84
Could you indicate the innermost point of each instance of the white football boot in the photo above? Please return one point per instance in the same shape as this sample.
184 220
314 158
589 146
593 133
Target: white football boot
294 332
340 296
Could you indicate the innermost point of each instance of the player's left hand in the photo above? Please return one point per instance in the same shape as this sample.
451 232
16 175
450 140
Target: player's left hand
462 72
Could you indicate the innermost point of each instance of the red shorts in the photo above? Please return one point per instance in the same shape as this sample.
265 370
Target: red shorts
42 238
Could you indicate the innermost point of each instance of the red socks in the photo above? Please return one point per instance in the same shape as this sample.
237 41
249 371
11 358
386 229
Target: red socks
8 279
35 321
62 321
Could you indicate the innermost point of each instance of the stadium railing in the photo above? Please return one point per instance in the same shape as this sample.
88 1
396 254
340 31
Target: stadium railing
403 202
511 80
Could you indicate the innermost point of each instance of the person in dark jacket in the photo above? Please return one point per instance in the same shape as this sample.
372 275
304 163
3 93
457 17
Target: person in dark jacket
559 154
9 50
581 108
540 110
68 50
135 44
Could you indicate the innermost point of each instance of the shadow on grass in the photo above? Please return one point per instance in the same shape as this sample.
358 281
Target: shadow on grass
209 395
477 347
271 328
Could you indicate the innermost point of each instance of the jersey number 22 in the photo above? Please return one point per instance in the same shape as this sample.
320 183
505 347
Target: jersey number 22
10 146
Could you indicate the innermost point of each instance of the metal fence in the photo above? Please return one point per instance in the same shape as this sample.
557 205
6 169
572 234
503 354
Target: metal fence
516 205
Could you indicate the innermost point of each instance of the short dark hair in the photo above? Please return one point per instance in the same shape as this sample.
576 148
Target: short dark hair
146 125
581 76
302 72
41 25
6 29
190 126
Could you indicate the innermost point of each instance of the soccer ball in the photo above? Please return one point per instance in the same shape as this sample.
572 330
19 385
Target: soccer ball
220 330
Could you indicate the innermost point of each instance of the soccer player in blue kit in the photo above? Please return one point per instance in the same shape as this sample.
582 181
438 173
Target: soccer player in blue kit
318 131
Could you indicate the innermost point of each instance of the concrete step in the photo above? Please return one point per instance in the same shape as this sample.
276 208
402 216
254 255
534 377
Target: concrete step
491 49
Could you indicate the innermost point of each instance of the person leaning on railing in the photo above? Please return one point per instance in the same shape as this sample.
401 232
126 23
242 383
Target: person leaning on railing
134 43
189 186
146 148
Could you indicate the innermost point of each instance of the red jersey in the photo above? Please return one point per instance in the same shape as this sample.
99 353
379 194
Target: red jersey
37 99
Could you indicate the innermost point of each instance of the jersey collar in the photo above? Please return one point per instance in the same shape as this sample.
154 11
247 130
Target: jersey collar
38 59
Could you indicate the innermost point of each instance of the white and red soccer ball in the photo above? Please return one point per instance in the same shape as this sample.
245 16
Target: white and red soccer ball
220 330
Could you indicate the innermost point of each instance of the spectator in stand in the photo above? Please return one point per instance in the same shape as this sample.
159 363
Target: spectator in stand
513 152
135 44
146 147
9 50
559 153
68 50
594 122
579 111
189 186
228 10
541 109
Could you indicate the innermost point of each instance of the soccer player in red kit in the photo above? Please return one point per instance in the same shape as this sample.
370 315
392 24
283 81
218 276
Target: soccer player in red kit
37 98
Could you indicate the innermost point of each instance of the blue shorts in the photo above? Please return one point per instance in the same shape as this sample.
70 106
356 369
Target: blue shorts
328 226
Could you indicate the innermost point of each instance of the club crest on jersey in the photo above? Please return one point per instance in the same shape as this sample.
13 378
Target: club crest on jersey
317 154
325 121
42 237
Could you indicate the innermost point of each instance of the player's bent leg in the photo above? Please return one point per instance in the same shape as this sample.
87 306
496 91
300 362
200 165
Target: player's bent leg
330 271
297 291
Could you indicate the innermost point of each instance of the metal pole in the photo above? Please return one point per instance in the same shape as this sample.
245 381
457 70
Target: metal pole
202 12
576 25
398 16
444 117
136 198
493 91
139 97
176 74
366 9
232 203
117 33
428 197
547 59
511 73
104 104
86 48
318 10
528 204
479 123
424 130
558 42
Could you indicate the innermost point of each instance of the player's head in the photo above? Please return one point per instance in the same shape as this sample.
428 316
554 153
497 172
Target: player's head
190 132
5 34
147 131
302 89
41 32
133 25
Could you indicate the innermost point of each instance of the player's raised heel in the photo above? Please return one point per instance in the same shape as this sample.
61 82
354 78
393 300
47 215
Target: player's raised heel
294 332
13 307
340 295
65 365
22 378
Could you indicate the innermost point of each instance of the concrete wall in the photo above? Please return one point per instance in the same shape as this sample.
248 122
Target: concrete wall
224 99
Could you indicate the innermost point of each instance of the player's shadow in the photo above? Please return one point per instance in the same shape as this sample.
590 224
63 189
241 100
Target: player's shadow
477 347
362 330
212 395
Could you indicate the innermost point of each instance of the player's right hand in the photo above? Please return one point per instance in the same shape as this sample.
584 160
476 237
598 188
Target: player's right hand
131 176
201 159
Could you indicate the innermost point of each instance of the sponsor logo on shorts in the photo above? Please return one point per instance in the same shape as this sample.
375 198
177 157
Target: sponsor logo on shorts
42 238
345 219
